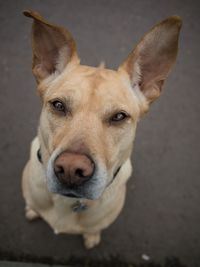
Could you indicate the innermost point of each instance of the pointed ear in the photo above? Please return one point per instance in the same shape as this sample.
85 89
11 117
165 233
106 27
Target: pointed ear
149 64
53 47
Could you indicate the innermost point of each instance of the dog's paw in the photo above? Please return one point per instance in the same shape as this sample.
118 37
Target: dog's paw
91 240
30 214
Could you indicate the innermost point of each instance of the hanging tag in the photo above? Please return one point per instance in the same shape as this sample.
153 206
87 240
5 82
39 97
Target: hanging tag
78 206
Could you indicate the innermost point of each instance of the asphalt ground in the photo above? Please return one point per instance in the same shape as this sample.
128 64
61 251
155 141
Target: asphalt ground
161 217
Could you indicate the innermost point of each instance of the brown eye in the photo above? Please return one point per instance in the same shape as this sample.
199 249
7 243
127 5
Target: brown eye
119 116
58 105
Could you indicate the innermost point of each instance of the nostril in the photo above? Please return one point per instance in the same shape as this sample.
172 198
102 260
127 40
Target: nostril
59 171
85 171
79 173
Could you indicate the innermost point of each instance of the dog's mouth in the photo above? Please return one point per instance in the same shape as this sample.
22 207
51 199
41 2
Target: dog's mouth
71 195
76 194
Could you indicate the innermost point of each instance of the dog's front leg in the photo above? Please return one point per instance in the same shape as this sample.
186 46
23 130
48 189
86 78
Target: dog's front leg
31 214
91 239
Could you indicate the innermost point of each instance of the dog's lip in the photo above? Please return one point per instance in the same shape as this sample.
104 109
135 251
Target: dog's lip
71 195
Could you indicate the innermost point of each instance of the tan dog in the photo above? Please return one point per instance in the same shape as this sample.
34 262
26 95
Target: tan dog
80 161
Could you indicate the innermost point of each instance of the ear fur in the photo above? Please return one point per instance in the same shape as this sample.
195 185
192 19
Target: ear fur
149 64
53 47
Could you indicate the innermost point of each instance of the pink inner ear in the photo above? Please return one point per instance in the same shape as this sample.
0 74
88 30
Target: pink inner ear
152 59
53 48
155 62
48 43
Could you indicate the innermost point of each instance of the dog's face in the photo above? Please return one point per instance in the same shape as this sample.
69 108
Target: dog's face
98 119
89 115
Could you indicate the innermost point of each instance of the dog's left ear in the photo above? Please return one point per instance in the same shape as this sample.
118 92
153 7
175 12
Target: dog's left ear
53 47
149 64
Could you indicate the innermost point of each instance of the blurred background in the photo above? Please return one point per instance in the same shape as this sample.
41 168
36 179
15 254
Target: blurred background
161 217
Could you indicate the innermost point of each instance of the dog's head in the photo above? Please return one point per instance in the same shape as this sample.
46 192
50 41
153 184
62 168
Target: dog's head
89 115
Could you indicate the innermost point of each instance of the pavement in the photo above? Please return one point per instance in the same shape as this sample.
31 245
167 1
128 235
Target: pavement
23 264
161 217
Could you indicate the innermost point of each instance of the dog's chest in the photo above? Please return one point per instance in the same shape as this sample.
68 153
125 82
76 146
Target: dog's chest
71 216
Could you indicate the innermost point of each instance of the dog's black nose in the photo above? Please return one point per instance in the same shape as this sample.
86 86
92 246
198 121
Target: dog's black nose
73 169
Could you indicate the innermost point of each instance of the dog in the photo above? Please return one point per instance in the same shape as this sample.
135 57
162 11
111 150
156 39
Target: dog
79 162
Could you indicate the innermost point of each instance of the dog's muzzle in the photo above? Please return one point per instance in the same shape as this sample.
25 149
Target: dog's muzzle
76 175
73 169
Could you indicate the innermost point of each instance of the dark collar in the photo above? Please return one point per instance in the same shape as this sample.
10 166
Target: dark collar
117 171
115 174
39 156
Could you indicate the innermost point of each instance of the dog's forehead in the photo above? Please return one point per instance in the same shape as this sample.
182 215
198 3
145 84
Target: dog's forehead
90 81
86 77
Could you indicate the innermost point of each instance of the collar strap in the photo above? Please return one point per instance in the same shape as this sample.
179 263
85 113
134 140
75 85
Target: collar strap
115 174
39 156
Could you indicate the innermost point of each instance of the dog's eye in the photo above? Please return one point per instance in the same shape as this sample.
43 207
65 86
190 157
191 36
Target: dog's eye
119 116
58 105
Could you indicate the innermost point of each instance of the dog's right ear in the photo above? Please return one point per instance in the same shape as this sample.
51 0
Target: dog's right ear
53 47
